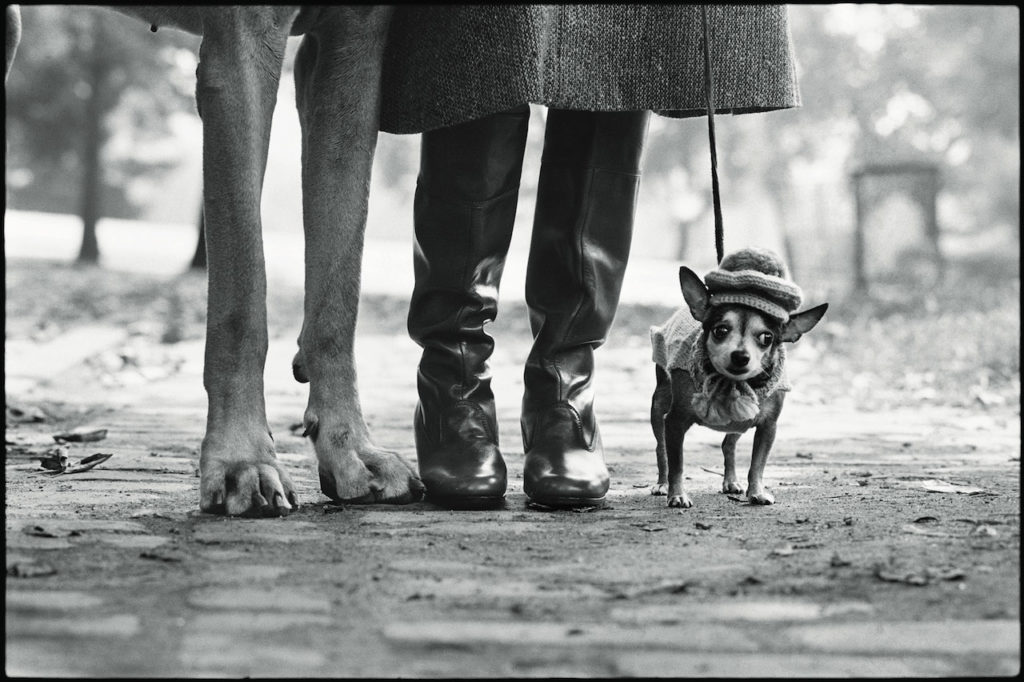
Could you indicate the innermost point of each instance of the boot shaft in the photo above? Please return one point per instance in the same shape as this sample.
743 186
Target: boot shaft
582 232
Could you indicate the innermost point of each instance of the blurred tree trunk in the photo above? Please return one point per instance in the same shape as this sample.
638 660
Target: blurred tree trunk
93 137
199 258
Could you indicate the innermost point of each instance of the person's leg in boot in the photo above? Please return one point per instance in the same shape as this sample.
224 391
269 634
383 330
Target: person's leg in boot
464 211
586 196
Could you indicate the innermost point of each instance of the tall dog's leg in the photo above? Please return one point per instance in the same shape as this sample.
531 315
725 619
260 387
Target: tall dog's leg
661 403
338 72
239 67
731 483
764 438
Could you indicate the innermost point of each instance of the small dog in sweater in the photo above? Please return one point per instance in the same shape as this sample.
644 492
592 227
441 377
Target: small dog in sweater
721 364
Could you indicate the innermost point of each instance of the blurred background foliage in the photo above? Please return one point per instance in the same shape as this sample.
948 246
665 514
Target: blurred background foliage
87 100
101 122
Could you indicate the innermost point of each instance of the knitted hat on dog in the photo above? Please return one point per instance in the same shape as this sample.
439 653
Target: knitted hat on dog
756 278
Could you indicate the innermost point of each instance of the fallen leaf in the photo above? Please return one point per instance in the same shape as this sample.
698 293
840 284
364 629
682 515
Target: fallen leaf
702 526
30 569
917 530
649 528
169 556
838 562
661 588
55 459
24 415
81 436
918 576
937 486
90 462
948 573
915 579
41 532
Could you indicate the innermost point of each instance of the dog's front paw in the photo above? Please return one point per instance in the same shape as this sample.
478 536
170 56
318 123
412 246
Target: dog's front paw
680 500
659 489
760 495
243 479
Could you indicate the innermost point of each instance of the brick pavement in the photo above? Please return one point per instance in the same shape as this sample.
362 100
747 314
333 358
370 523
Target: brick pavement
126 578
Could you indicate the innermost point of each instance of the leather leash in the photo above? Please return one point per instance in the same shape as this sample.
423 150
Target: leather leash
709 86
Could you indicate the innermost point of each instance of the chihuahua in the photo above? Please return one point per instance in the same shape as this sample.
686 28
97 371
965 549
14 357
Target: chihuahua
721 364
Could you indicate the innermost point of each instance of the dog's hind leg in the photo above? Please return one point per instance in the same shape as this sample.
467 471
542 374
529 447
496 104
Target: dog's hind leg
731 483
239 67
338 71
661 403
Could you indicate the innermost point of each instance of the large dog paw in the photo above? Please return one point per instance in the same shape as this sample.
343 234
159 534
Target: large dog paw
681 500
659 489
354 471
760 495
244 481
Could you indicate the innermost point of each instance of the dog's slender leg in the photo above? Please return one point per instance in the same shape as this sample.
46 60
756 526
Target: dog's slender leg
677 423
731 483
675 430
338 72
239 67
661 403
764 438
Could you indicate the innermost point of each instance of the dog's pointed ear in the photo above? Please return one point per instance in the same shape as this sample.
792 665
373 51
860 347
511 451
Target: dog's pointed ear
694 292
801 323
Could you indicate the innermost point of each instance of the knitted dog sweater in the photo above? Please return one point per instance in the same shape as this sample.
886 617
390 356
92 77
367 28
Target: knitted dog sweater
718 401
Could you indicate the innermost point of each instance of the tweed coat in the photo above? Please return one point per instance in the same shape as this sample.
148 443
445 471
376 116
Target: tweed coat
450 64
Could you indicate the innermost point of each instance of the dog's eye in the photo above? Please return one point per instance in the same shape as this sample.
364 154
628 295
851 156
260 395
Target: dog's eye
720 332
765 339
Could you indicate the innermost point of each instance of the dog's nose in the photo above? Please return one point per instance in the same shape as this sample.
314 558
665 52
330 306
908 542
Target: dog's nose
740 358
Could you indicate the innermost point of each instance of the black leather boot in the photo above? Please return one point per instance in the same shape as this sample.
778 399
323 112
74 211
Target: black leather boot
590 174
464 211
